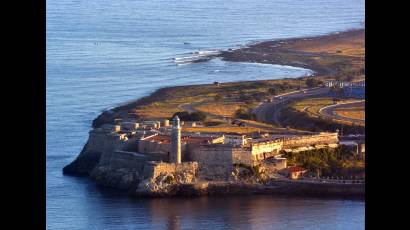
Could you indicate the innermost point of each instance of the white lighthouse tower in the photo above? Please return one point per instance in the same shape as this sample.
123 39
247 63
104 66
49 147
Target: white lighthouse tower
175 156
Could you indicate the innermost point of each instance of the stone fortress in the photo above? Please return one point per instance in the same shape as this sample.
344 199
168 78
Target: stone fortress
141 155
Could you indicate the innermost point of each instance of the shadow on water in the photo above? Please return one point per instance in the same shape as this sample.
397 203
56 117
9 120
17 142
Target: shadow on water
220 212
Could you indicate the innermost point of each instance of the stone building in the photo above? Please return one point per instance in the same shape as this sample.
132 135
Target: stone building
215 154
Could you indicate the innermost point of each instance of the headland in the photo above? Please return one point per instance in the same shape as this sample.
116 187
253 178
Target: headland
231 138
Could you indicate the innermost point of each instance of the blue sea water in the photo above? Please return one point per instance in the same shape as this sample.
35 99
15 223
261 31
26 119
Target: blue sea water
102 53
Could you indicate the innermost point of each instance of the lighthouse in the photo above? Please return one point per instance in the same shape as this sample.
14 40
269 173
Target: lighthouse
175 156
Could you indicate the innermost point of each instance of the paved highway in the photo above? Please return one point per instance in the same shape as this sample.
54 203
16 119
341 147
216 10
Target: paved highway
329 111
269 111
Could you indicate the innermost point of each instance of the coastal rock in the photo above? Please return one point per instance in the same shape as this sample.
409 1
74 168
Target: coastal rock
83 164
166 184
107 117
151 187
119 178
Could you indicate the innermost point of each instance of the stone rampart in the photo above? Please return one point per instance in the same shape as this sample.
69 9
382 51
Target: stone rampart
215 161
263 150
242 156
110 143
146 146
132 144
308 140
98 150
128 160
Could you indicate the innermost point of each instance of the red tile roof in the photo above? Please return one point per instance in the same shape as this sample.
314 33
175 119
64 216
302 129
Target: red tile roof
295 169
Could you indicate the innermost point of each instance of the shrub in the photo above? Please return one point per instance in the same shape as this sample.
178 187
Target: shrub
259 96
245 98
186 116
329 162
213 123
313 82
244 114
273 91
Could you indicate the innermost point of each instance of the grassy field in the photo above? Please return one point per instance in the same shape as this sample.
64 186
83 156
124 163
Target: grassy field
226 109
216 101
311 106
222 100
226 129
354 112
328 56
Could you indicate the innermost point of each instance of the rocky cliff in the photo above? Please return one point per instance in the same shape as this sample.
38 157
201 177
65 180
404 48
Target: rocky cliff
83 164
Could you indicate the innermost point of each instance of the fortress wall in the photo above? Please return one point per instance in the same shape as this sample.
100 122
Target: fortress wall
98 149
266 149
242 156
131 145
94 143
150 146
128 160
322 138
215 161
212 154
108 144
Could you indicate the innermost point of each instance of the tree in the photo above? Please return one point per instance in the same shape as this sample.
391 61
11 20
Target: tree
313 82
186 116
244 114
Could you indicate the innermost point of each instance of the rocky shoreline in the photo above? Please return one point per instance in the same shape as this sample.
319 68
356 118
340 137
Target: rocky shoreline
150 179
305 52
271 188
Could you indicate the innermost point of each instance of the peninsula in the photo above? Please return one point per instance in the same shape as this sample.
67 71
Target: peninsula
242 137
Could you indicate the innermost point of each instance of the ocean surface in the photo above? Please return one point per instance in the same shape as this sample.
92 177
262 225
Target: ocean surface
106 52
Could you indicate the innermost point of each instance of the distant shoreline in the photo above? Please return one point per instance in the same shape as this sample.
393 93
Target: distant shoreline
295 52
280 52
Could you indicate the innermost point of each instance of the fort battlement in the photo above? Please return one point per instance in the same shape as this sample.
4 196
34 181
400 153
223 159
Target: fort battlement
308 140
124 154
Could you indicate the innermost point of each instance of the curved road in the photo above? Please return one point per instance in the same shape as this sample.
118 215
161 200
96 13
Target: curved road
329 111
269 111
